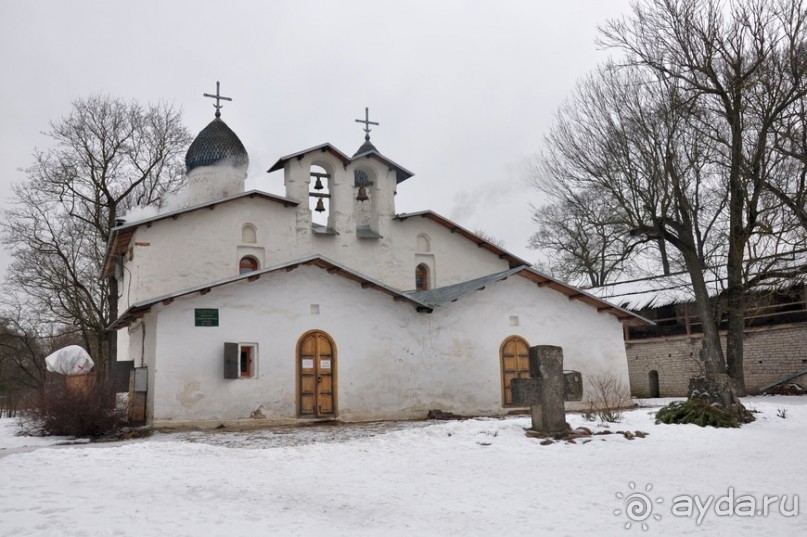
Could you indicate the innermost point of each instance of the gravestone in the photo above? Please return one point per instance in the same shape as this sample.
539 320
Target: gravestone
548 387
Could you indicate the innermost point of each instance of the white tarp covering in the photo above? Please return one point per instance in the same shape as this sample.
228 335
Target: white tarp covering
72 360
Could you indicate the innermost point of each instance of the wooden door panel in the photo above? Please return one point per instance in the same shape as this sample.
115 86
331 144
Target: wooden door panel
307 405
325 384
316 366
515 364
308 384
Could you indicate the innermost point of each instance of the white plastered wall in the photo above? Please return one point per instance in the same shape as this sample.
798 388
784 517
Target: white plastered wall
377 341
392 362
468 334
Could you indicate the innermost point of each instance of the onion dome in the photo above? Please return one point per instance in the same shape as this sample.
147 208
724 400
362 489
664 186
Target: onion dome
216 144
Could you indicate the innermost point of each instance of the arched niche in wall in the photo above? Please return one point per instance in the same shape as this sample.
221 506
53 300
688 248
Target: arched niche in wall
423 244
249 234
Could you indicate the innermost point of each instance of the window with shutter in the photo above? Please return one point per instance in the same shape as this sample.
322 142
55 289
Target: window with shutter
240 360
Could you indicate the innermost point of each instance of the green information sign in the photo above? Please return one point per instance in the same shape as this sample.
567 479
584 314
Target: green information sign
206 317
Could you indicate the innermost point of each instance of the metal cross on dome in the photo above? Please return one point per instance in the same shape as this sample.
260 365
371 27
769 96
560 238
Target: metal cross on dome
367 123
218 98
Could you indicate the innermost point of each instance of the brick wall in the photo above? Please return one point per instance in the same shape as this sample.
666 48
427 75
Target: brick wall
769 354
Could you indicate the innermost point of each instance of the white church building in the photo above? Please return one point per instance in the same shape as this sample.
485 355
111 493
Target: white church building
248 308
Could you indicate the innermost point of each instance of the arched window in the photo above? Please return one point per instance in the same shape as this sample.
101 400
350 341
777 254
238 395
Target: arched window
249 234
247 264
422 277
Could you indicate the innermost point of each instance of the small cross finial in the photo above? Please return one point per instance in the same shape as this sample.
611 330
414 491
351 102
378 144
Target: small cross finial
218 98
367 123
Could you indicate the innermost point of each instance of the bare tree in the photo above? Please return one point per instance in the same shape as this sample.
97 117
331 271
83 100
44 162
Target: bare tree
482 234
106 156
743 63
629 140
585 241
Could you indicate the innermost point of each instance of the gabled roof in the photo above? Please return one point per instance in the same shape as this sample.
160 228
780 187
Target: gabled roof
442 296
137 310
456 228
326 147
401 173
121 236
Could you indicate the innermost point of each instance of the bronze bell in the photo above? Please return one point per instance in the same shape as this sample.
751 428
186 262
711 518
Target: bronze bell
362 196
320 206
318 184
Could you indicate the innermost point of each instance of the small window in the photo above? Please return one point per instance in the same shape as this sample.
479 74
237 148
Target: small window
247 354
422 277
247 264
240 360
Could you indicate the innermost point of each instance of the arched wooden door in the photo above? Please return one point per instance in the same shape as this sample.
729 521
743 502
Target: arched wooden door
316 374
515 364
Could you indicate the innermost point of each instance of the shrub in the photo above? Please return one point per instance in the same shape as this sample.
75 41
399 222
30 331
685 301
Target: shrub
84 410
607 397
698 411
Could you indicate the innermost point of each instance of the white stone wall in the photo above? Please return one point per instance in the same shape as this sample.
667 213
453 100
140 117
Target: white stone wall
467 334
208 183
376 338
205 245
392 362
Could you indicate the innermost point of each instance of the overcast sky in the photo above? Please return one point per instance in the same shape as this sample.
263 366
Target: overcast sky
464 90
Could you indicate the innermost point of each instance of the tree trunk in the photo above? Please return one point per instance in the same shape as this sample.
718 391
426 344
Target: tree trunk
735 260
711 353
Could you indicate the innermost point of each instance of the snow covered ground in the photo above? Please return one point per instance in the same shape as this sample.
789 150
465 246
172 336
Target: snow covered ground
474 477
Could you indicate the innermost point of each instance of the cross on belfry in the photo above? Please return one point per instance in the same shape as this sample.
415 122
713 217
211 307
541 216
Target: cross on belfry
367 123
218 98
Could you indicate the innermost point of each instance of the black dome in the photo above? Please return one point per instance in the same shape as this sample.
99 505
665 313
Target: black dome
216 143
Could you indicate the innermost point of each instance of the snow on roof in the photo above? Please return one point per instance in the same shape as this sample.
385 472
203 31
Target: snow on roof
401 173
651 292
659 291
